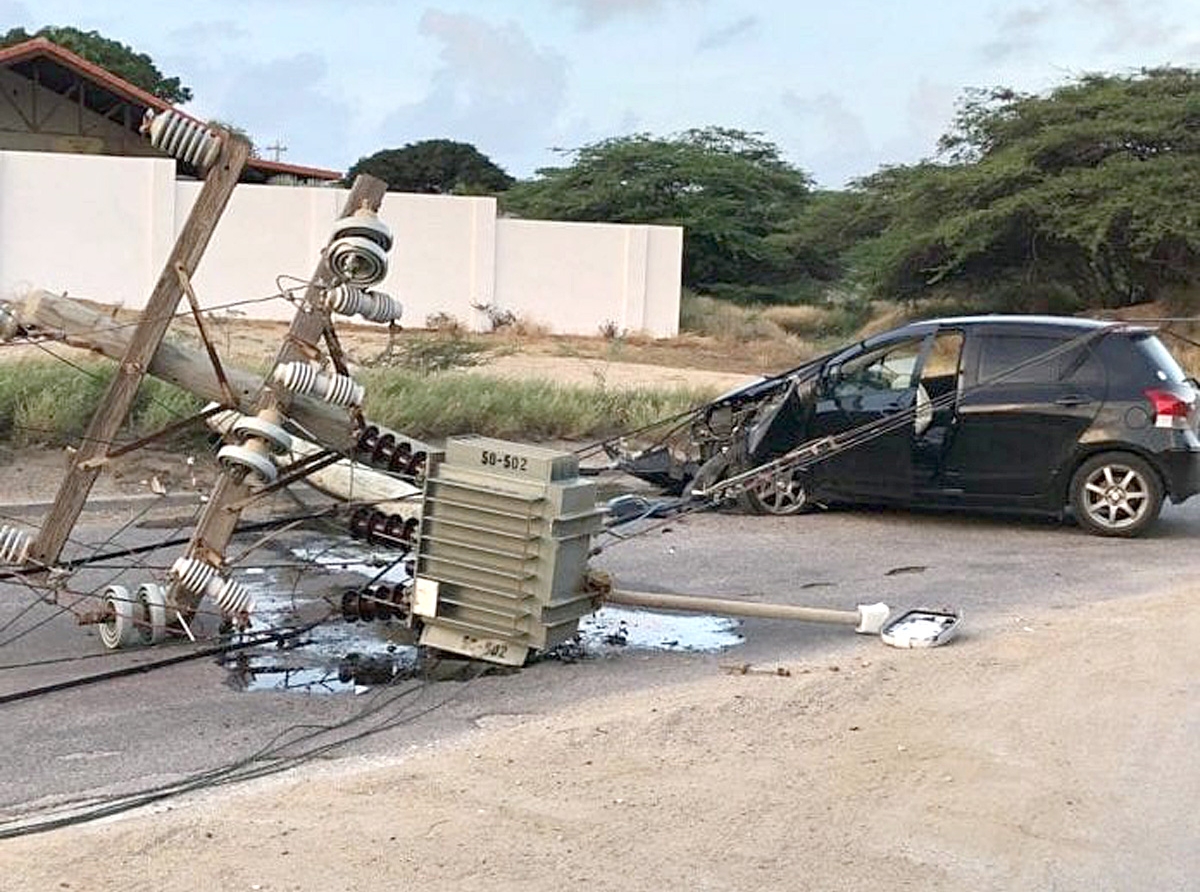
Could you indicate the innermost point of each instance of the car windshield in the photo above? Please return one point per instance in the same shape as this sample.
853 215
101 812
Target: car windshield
1164 364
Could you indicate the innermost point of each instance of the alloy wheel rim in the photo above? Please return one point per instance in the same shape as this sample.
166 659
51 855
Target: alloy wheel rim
781 494
1116 496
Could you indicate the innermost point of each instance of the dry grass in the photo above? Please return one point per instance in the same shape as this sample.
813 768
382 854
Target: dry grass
802 320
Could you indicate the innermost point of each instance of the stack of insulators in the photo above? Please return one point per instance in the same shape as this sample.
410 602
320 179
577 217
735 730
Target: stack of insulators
185 138
381 528
385 452
375 602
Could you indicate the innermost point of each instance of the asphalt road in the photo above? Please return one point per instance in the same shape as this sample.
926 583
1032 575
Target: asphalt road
145 729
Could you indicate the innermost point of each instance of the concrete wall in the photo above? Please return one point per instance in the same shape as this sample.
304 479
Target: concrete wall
101 228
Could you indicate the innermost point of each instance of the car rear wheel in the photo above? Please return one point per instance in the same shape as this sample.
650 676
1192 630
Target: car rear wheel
1116 494
784 492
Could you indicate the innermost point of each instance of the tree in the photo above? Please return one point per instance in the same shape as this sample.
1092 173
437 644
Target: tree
730 190
1081 197
116 58
436 166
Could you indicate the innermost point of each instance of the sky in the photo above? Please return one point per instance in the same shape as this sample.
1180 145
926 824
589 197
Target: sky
843 87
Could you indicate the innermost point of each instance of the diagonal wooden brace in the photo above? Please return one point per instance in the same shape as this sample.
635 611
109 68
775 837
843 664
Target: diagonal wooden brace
152 326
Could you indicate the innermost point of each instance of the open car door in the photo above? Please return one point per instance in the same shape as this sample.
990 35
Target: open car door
864 389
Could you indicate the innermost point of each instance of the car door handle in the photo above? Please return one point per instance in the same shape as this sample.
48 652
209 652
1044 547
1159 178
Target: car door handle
1072 401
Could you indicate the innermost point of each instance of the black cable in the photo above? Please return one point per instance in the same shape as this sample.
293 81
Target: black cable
141 668
247 767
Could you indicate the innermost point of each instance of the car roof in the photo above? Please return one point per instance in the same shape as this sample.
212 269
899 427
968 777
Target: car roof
1014 321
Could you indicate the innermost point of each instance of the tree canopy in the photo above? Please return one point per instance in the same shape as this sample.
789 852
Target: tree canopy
435 166
123 61
1081 197
732 191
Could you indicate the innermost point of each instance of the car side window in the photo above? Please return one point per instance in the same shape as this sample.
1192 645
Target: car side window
890 369
1016 359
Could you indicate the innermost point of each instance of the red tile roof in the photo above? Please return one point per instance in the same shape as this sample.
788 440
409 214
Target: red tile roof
40 46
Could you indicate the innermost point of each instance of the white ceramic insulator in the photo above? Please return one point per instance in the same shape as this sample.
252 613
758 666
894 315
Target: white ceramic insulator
257 426
364 223
256 463
357 260
374 306
152 599
382 308
187 140
118 629
201 580
14 545
302 378
232 597
193 575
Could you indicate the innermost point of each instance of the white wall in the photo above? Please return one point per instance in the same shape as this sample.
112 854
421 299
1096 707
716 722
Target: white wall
102 227
596 274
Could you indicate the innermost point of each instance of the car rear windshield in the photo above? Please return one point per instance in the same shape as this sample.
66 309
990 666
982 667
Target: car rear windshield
1162 363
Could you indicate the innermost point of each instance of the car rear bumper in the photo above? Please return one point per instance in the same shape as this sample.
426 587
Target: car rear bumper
1181 472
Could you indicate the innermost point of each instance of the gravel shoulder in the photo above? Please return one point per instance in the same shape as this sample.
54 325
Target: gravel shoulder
1053 755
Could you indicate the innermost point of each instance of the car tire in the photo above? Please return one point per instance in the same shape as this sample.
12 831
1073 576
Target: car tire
1116 494
780 494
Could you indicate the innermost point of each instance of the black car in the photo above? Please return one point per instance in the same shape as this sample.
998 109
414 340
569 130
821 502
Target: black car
1012 412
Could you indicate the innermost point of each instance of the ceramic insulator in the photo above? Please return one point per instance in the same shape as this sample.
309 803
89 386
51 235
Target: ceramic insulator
357 260
337 390
374 306
187 140
363 223
201 579
14 545
251 460
193 575
233 598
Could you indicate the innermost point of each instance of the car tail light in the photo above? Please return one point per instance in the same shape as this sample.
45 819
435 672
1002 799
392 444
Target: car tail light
1170 410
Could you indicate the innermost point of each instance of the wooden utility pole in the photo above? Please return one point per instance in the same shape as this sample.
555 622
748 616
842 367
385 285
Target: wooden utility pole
114 408
82 326
309 325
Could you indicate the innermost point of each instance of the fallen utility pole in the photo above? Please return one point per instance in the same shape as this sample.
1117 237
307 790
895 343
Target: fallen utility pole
76 324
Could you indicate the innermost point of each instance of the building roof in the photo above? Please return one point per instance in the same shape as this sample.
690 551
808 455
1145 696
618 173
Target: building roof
118 88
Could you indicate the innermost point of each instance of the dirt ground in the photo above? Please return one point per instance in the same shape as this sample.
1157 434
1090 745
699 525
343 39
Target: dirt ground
1050 754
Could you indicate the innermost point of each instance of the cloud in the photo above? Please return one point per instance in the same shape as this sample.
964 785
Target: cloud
1017 32
930 109
494 88
593 13
209 33
829 112
1140 25
731 33
286 99
835 139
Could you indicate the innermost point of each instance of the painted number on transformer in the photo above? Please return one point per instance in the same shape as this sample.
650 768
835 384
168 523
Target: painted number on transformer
492 459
